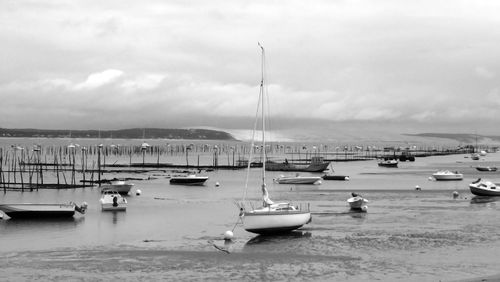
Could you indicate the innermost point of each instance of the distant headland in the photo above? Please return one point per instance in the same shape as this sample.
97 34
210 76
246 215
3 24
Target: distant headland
133 133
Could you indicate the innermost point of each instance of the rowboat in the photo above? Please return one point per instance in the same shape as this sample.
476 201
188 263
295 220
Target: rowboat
31 210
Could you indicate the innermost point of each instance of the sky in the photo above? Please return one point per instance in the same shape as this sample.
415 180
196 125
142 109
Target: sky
364 66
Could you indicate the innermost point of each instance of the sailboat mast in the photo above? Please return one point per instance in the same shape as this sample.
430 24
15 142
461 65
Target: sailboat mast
263 152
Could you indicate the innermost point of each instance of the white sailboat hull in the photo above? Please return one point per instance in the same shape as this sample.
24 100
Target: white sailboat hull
274 221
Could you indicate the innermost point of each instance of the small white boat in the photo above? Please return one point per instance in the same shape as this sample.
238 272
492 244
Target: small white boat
297 179
111 200
388 163
447 175
191 180
484 188
119 186
356 202
29 210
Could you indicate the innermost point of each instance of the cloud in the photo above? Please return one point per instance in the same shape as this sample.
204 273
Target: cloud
485 73
184 63
97 80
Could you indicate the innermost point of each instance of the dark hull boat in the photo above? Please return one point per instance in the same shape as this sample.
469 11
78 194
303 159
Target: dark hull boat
486 168
335 177
190 180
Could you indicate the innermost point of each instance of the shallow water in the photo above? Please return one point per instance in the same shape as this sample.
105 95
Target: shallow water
175 232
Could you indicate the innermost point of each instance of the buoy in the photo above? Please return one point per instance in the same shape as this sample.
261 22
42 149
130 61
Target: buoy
217 184
228 235
417 188
138 192
430 178
455 194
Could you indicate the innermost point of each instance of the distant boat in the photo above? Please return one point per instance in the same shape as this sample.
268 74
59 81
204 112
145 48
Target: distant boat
486 168
448 175
191 180
335 177
484 188
111 200
474 157
29 210
317 164
388 163
356 202
298 179
119 186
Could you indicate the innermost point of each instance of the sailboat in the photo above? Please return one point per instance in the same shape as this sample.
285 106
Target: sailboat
271 218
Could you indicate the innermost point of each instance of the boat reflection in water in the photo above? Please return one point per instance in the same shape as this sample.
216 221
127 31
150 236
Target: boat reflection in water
484 199
282 242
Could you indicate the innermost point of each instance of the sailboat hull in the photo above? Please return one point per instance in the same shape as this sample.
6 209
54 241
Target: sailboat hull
274 222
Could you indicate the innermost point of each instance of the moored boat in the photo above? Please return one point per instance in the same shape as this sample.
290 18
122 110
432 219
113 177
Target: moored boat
356 202
388 163
111 200
190 180
484 188
31 210
486 168
335 177
447 175
317 164
272 217
298 179
119 186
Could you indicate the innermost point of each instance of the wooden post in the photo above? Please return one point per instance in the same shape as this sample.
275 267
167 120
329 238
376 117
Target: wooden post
99 165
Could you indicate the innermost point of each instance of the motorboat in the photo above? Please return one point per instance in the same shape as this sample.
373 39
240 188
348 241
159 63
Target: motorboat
271 217
119 186
486 168
111 200
447 175
298 179
475 157
30 210
484 188
191 180
356 202
388 163
317 164
329 175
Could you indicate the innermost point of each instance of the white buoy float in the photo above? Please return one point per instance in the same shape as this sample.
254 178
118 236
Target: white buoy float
217 184
417 188
455 194
228 235
138 192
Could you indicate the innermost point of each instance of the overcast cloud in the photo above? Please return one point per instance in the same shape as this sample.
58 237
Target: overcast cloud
424 65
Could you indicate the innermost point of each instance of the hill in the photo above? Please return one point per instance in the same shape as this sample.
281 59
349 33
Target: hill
134 133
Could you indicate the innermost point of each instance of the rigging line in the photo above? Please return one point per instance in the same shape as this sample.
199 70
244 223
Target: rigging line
254 131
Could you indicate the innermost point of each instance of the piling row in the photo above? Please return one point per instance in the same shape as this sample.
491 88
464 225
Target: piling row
72 166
